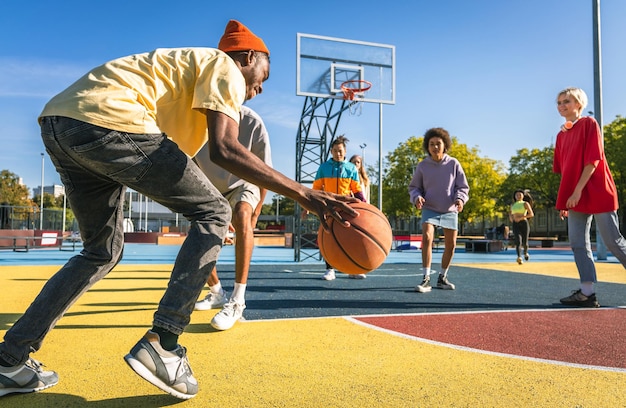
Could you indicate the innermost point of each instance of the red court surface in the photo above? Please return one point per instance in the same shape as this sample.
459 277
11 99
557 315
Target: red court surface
547 335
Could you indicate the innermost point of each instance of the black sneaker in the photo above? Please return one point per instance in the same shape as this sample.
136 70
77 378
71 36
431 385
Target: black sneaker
424 287
168 370
28 377
578 299
444 283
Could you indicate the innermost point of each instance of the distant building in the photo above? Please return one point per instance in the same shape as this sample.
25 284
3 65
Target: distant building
55 190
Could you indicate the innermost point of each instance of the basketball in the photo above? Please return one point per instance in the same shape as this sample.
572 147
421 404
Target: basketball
360 248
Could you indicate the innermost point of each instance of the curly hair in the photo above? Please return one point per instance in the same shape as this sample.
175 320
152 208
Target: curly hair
440 133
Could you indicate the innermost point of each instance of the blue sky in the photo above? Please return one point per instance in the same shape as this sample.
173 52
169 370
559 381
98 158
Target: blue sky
486 70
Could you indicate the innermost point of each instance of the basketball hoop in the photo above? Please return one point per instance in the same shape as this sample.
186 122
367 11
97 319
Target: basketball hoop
354 91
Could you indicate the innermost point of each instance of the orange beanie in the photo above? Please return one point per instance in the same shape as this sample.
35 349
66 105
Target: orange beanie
237 37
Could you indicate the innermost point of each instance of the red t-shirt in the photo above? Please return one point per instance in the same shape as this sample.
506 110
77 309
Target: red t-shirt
575 148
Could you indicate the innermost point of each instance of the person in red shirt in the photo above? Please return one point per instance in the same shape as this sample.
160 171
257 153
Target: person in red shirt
587 189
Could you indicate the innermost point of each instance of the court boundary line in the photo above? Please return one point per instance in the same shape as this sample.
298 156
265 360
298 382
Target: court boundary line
354 319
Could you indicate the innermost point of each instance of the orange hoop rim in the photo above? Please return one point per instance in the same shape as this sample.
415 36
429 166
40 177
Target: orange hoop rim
349 91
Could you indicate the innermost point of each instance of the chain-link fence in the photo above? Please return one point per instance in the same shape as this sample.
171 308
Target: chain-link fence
31 218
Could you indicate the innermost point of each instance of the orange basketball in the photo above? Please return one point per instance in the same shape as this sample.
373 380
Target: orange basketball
360 248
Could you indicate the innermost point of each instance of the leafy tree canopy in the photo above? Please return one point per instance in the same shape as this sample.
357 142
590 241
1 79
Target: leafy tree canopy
11 191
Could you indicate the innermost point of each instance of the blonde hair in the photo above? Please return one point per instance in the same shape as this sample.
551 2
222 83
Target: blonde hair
362 173
576 93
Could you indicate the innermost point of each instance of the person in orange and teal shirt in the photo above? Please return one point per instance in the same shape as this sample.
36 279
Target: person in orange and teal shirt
336 175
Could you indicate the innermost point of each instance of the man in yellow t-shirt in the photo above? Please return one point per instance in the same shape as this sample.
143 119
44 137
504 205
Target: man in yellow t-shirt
135 122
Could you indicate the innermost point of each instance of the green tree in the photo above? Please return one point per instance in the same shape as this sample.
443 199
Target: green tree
49 201
397 173
484 176
286 206
12 192
532 170
615 150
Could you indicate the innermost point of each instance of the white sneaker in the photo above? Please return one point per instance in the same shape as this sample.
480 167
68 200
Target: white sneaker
228 316
329 275
424 287
211 301
358 276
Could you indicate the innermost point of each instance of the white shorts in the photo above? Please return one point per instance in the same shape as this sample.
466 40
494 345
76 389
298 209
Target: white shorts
246 192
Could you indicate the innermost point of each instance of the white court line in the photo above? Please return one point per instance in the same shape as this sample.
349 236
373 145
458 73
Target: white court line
353 319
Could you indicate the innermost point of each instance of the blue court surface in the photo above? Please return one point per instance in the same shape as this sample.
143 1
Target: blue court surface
279 287
165 254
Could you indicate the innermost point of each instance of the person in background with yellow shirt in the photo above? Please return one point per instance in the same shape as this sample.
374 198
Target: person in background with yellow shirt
521 211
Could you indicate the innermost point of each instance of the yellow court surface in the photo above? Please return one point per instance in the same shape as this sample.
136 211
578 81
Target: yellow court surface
296 362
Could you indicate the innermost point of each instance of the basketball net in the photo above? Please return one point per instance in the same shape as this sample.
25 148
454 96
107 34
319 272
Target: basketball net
356 104
354 91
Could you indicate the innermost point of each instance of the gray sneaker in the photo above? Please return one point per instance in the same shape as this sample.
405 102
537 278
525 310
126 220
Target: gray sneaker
212 301
578 299
28 377
444 283
424 287
168 370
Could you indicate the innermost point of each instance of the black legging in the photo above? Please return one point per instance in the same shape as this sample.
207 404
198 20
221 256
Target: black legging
520 232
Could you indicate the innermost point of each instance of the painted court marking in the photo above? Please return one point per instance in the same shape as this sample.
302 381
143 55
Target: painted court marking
551 336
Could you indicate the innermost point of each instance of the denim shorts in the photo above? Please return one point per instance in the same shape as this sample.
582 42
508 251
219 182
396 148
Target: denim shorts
449 220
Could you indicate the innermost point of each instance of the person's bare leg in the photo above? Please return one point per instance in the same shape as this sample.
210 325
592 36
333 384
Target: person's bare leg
244 244
216 298
242 221
449 236
213 278
428 236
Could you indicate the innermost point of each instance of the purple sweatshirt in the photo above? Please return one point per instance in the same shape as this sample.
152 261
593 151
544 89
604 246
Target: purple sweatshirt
439 183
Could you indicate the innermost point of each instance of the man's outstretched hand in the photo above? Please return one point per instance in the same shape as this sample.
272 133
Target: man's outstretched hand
326 205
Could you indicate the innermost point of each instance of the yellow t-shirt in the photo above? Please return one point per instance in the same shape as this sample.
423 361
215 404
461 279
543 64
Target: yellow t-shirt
163 91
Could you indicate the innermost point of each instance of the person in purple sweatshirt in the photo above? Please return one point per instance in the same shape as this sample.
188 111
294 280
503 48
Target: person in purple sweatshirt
439 188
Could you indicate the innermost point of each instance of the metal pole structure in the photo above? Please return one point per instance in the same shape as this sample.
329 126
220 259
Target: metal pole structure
380 156
64 211
41 194
130 204
601 251
139 203
145 218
